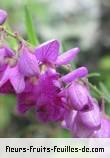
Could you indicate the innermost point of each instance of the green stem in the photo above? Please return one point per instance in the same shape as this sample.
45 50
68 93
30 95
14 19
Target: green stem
15 36
11 34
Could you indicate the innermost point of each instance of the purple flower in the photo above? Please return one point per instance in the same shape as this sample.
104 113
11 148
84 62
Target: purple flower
48 53
91 118
32 75
92 123
17 68
49 105
74 124
43 97
78 96
3 16
83 123
79 130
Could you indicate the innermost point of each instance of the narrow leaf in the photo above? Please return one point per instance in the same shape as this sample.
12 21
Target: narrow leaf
30 27
94 74
99 92
104 90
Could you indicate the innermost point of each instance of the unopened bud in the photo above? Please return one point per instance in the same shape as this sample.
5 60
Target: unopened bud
3 16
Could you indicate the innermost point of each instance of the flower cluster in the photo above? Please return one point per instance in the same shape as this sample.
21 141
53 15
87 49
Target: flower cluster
33 75
86 117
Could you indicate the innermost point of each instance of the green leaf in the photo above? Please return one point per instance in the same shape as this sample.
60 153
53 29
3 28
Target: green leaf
30 27
94 74
105 91
99 92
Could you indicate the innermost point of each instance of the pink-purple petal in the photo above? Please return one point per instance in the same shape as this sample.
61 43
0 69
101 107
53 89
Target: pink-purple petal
5 52
69 118
80 131
14 76
91 118
17 79
104 131
78 96
78 73
48 51
66 57
3 16
28 64
9 51
5 76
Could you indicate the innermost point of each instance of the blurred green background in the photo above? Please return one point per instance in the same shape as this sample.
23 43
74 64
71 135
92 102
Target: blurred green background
76 23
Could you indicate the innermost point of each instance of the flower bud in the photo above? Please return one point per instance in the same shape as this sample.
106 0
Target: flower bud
66 57
3 16
75 74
